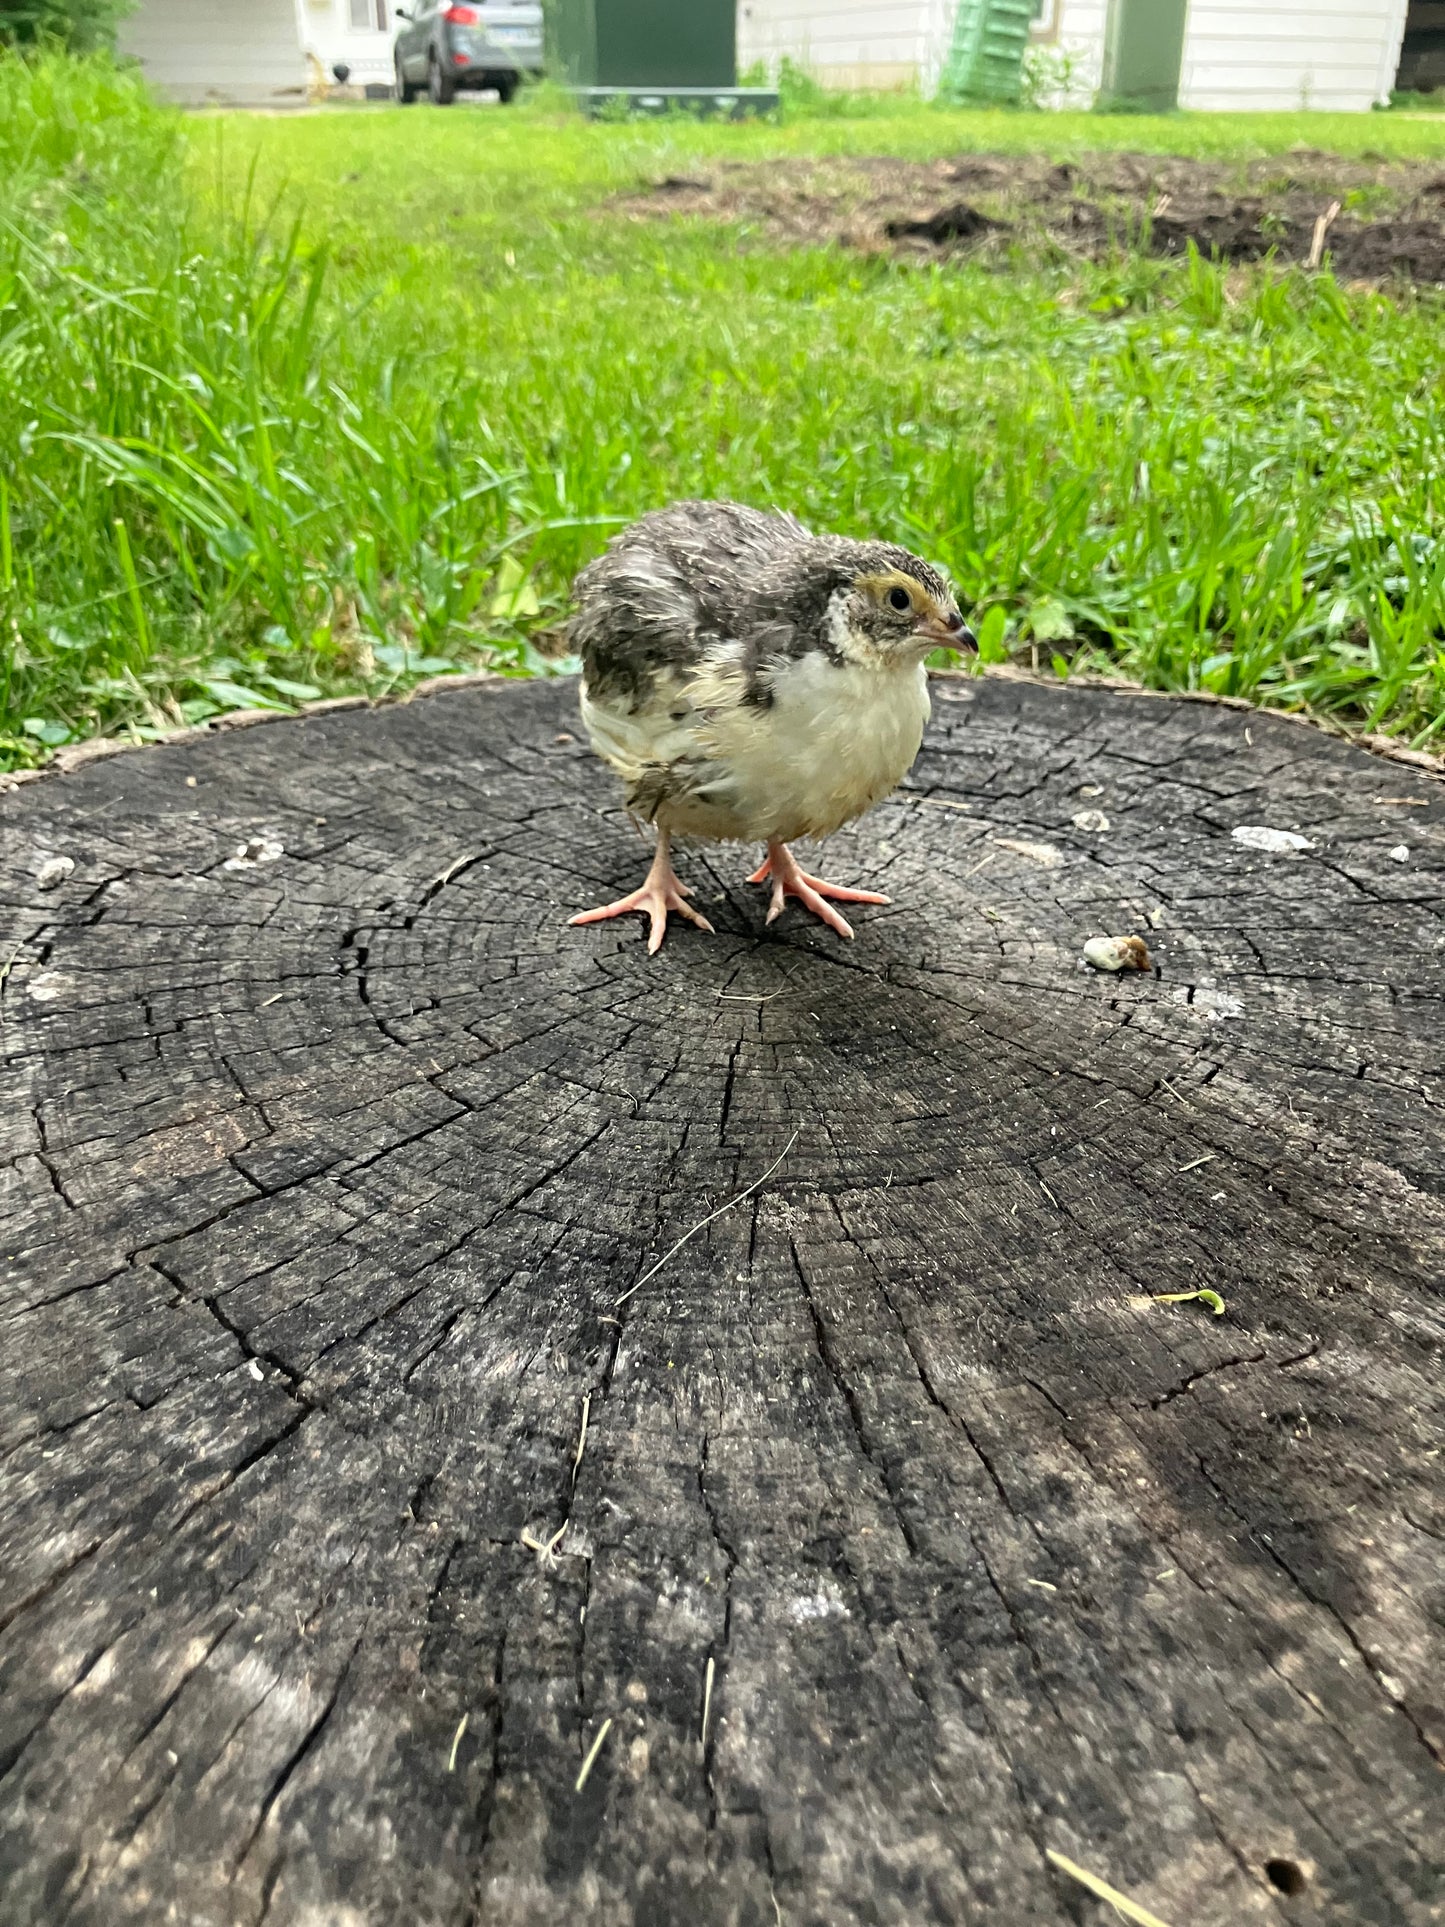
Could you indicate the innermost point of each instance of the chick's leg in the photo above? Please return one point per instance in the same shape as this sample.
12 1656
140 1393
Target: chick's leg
812 892
661 891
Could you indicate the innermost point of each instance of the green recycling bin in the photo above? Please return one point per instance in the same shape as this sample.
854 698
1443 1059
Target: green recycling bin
986 59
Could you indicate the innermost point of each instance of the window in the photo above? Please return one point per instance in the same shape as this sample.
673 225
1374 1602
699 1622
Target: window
364 15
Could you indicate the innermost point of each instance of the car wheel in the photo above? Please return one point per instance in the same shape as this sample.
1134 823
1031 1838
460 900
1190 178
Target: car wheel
403 89
441 88
506 86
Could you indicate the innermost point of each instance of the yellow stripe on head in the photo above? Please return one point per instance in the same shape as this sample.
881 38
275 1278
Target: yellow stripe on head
921 600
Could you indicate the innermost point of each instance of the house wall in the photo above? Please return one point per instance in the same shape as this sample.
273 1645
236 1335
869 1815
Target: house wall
1239 55
1339 55
848 43
356 33
1069 38
241 51
905 43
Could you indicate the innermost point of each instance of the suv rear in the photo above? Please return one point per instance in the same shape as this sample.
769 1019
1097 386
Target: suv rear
444 45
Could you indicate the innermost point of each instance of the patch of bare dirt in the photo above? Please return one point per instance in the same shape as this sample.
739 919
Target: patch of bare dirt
1370 219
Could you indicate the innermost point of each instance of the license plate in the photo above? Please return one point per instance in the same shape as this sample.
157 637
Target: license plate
512 36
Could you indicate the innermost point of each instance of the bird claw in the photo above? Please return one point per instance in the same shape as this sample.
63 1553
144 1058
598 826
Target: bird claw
780 866
661 893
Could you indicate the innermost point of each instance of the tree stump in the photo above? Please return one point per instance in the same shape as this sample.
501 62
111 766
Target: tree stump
412 1511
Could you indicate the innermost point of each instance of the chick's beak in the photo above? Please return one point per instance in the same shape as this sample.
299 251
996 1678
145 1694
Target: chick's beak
947 631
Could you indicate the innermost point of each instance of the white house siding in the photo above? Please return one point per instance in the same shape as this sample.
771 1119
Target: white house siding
848 43
355 33
1069 35
241 51
1338 55
905 43
937 39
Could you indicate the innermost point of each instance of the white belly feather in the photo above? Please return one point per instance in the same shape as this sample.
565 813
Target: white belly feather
835 740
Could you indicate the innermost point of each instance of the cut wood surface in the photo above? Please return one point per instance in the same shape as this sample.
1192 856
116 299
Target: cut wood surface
897 1532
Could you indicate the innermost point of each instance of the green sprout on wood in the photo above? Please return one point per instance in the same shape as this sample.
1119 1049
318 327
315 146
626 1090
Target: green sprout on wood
1205 1296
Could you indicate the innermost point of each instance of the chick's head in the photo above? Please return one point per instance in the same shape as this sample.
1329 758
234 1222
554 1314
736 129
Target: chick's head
893 608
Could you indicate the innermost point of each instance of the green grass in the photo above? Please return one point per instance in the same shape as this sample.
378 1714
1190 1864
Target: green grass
323 403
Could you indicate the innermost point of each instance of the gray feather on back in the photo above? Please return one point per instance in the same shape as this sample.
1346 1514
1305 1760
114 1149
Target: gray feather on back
671 587
684 580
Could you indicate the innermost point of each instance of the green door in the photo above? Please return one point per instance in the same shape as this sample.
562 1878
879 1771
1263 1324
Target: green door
1143 46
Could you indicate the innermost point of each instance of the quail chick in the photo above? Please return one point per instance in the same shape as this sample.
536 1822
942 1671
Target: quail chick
751 681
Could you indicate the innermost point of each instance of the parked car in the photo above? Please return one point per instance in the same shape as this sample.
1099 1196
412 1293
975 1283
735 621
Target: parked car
483 43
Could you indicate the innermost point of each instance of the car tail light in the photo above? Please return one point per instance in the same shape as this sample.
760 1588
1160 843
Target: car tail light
462 16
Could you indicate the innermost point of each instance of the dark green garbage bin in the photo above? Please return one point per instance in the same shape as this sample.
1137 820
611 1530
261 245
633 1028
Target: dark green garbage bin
652 56
645 43
1143 52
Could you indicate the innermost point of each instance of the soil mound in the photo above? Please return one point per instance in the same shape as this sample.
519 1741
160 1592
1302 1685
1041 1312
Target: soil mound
1369 219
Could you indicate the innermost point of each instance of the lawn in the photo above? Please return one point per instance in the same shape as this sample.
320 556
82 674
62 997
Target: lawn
307 405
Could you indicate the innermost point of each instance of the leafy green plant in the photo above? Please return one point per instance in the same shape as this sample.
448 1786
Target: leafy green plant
802 97
80 25
1048 78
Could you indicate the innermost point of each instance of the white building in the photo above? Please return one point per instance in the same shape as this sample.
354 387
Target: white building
849 43
357 34
1239 55
258 53
245 52
1335 55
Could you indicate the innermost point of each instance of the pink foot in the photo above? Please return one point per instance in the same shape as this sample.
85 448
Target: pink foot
812 892
662 891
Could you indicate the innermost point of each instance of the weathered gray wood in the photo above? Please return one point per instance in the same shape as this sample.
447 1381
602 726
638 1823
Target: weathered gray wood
325 1177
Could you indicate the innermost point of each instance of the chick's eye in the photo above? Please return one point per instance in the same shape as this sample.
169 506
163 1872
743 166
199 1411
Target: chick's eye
900 600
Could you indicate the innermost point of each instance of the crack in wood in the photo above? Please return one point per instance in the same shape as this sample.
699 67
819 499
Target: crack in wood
399 1143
